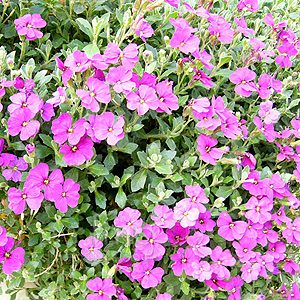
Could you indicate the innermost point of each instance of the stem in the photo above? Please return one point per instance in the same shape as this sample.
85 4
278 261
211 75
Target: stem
53 262
23 49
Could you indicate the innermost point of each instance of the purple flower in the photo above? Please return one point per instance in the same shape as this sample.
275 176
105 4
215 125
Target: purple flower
243 249
60 97
198 242
27 25
167 100
183 261
205 147
269 20
294 293
280 217
259 209
12 261
186 213
267 130
47 111
152 247
22 101
30 195
104 289
221 31
105 127
66 195
99 91
230 230
146 275
204 57
3 237
250 272
270 115
222 259
164 296
249 160
67 72
144 100
204 223
144 31
251 5
178 235
242 27
120 78
39 178
13 173
287 50
201 76
165 216
200 11
243 78
129 221
20 122
90 248
79 153
277 250
258 51
292 232
291 267
63 130
77 62
185 41
124 265
202 270
233 286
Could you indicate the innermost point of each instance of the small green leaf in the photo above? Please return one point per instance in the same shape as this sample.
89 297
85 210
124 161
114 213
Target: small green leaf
100 200
98 170
121 198
138 180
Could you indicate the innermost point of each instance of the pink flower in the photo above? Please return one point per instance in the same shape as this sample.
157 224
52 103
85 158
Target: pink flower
186 213
90 248
152 247
13 173
269 20
167 100
198 242
243 249
270 115
98 92
66 195
67 72
21 101
104 289
27 25
292 232
143 100
250 272
20 122
178 234
77 62
251 5
230 230
129 221
79 153
185 41
242 27
165 216
243 78
165 296
196 197
60 97
221 31
120 78
204 223
205 147
184 261
146 275
204 57
144 31
259 209
202 271
11 261
267 130
105 127
287 50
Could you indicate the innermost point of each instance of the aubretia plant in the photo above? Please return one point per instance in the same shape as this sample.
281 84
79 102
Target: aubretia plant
150 149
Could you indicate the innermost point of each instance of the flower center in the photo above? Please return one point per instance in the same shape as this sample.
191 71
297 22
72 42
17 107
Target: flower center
151 241
142 101
61 98
257 209
265 231
7 255
219 262
271 186
177 237
110 129
284 54
293 228
15 168
122 54
63 194
92 94
78 64
182 43
249 270
244 82
74 148
70 130
24 104
162 219
162 99
91 249
184 260
29 25
218 34
207 149
245 250
129 223
24 196
101 292
119 82
231 225
24 124
279 213
148 272
201 221
233 290
46 181
186 213
194 199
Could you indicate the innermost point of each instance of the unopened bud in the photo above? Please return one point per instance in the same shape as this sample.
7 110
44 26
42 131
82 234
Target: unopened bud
147 56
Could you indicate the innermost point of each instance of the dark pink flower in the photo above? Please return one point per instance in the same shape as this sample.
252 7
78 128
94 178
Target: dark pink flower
251 5
286 50
79 153
202 270
67 72
204 223
178 235
242 27
60 97
78 62
27 24
90 248
233 287
269 20
183 261
144 31
221 31
120 78
185 41
243 78
104 289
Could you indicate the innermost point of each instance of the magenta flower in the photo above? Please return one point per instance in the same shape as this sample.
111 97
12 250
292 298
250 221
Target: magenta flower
243 78
104 289
258 51
105 127
183 261
200 11
89 126
230 125
90 248
266 262
39 178
198 243
230 230
286 50
47 111
20 122
292 232
221 31
251 5
120 78
296 126
242 27
11 261
275 187
277 250
60 97
165 216
291 267
202 271
215 282
144 31
250 272
243 249
13 172
178 235
269 114
249 160
185 41
63 130
204 57
201 76
197 197
222 259
98 92
152 247
129 221
167 100
77 62
146 275
204 223
129 56
259 209
3 237
285 152
186 213
267 130
27 25
124 265
22 101
233 286
79 153
205 147
294 293
67 72
66 195
144 100
264 87
30 195
164 296
269 20
280 217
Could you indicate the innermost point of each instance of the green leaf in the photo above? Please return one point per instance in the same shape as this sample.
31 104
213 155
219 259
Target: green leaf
59 226
86 27
185 287
70 222
43 151
224 59
224 191
138 180
163 169
78 8
121 198
224 73
129 148
46 139
98 170
91 50
100 200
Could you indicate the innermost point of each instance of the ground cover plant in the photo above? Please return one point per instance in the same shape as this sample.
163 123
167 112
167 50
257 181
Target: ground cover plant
150 149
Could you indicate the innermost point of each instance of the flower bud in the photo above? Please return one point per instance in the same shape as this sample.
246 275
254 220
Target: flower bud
162 56
10 63
30 149
147 56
